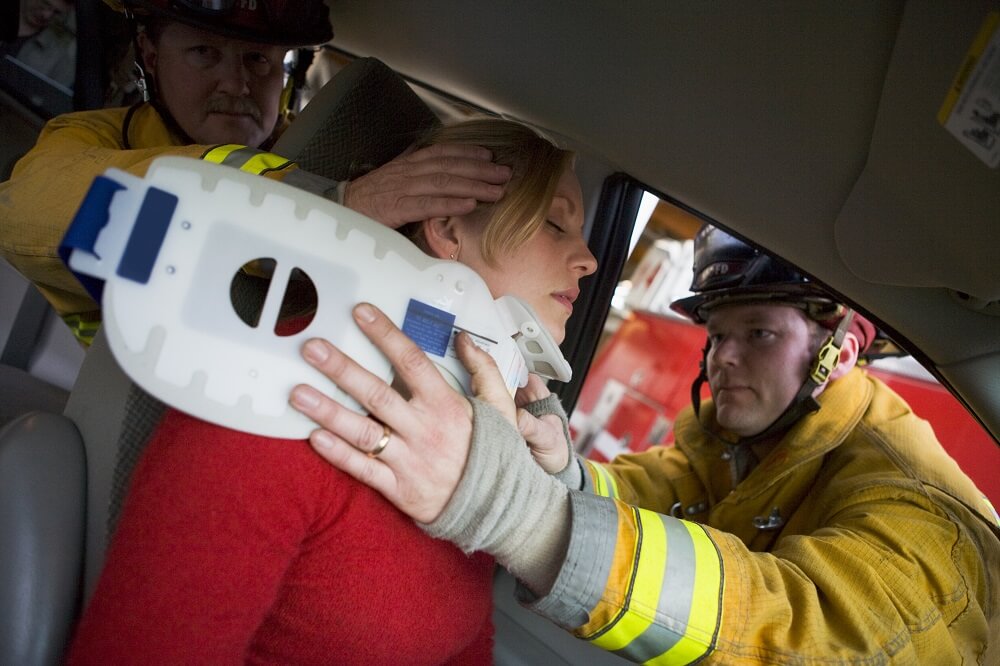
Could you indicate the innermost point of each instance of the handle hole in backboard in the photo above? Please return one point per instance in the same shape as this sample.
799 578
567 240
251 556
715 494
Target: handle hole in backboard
248 291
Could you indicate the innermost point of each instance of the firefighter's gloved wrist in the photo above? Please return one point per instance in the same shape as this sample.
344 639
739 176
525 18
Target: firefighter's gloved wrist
551 404
506 505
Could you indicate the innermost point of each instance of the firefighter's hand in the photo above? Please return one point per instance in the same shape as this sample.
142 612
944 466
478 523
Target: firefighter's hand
419 465
437 181
546 435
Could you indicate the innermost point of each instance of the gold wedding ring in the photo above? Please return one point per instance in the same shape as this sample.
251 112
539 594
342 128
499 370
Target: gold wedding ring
382 442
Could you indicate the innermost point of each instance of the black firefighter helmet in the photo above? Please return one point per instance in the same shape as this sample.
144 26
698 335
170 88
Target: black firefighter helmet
291 23
730 271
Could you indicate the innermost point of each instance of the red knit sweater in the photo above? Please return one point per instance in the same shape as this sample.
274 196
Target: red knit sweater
240 549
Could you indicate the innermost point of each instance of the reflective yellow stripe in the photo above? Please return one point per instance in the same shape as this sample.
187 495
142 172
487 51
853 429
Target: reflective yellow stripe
669 594
706 611
604 483
619 574
220 153
83 330
246 159
648 566
262 162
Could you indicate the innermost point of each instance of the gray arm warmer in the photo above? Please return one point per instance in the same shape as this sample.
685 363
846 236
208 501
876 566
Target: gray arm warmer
571 474
506 505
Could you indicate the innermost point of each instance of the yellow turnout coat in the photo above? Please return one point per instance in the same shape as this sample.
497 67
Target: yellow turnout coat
855 540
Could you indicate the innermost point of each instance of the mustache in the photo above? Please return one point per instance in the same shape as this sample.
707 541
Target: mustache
237 105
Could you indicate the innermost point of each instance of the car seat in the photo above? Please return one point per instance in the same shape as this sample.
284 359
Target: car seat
63 476
23 391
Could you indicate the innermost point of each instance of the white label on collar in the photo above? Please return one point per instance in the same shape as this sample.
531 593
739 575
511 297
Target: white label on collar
169 246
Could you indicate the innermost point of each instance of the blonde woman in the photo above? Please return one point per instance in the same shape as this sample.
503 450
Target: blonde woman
233 547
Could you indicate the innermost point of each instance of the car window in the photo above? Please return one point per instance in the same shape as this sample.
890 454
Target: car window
39 70
648 356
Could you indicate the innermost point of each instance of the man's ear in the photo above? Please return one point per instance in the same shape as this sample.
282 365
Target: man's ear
147 52
848 356
443 237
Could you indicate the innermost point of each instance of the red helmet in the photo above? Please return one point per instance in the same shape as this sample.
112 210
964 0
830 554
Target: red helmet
289 23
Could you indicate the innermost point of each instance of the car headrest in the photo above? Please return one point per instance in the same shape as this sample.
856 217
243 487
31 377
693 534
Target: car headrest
362 118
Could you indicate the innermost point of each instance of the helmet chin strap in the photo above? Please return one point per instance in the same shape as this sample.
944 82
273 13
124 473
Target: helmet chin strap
143 82
803 403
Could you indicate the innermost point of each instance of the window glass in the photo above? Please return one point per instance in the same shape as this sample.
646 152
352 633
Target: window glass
38 59
648 357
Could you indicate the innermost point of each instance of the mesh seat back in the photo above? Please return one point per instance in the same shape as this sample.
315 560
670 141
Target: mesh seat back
362 118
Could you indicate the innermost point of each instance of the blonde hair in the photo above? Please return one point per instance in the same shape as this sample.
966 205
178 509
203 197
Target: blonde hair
536 166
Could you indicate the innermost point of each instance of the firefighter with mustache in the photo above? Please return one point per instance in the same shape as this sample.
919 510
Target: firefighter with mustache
213 76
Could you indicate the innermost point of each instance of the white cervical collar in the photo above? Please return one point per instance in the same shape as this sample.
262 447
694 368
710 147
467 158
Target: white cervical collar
167 247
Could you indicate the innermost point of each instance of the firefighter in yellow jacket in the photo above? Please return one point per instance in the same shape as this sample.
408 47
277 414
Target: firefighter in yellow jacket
213 72
805 515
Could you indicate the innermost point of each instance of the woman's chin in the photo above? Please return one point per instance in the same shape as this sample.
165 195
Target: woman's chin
558 333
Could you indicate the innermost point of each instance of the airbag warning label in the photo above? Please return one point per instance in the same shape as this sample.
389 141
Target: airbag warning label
971 111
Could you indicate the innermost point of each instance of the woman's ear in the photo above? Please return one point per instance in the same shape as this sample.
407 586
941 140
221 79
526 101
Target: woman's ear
443 236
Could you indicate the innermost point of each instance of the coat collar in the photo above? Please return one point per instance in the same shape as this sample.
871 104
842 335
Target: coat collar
842 406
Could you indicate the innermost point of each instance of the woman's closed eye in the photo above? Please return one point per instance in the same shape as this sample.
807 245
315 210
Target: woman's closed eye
555 227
